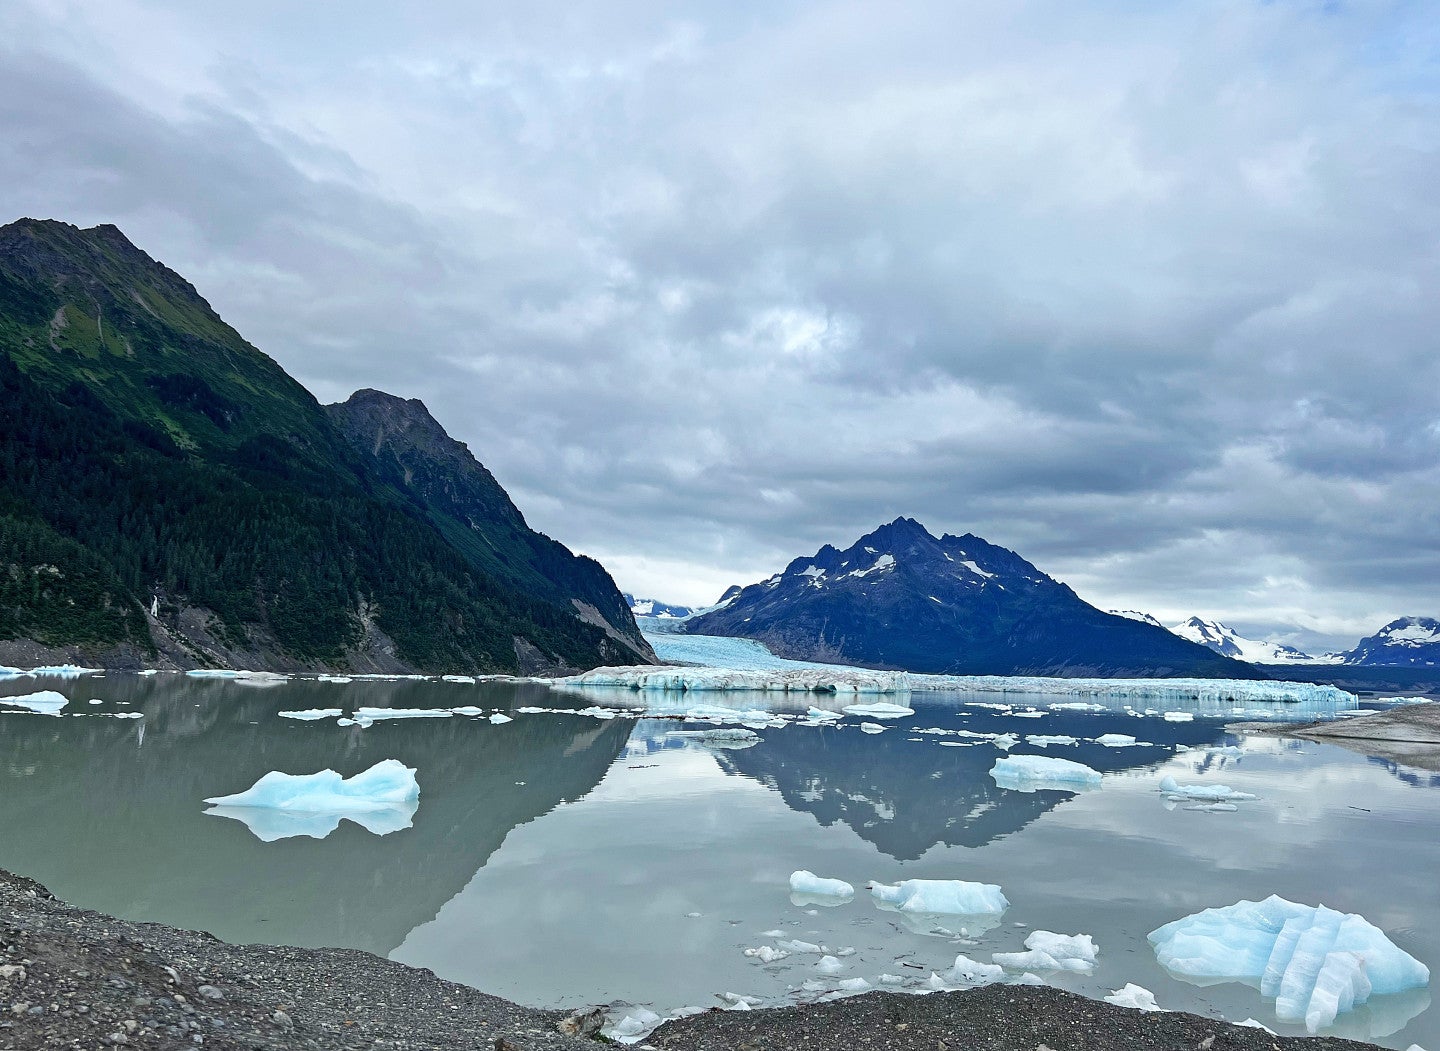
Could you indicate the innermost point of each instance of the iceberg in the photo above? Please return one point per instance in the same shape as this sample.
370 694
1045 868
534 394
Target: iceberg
829 965
817 889
1116 740
1047 951
879 710
765 954
952 896
63 671
312 714
45 702
1317 963
872 728
634 1026
719 735
1138 998
1203 793
401 713
382 799
500 718
1028 773
971 974
1045 740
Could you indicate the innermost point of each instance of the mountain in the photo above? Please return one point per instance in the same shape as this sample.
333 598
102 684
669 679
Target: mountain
408 449
902 598
649 607
1132 614
1226 640
168 494
1407 642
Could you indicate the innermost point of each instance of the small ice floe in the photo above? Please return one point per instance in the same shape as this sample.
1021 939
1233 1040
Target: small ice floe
361 721
337 679
213 673
1175 717
720 736
1077 706
1047 951
1214 808
1178 793
1116 740
1251 1023
382 799
872 728
63 671
1046 740
1031 714
942 896
468 709
1403 700
1137 997
795 945
879 710
121 715
1317 963
45 702
806 888
766 954
829 965
966 973
634 1025
1032 773
468 680
376 714
313 714
499 718
821 715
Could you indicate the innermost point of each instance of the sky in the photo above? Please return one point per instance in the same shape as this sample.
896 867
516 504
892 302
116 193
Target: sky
1143 290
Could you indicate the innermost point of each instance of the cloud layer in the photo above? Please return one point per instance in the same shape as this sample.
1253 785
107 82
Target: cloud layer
1143 291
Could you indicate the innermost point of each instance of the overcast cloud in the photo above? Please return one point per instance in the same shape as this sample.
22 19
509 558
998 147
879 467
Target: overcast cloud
1144 291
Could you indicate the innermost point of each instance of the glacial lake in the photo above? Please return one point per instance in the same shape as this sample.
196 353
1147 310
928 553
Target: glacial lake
561 859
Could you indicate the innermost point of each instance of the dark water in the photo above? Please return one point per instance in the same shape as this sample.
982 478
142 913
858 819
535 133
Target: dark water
561 859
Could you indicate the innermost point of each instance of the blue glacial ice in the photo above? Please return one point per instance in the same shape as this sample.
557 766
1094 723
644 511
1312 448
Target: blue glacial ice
942 896
1028 773
1317 963
818 889
382 799
45 702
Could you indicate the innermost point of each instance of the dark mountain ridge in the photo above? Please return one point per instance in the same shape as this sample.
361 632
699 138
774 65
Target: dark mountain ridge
902 598
168 494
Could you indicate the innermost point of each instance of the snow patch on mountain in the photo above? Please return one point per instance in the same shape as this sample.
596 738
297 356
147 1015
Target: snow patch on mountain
1225 640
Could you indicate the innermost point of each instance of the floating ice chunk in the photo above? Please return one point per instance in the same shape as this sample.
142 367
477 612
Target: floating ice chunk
1032 714
801 947
208 673
1251 1023
1028 773
829 965
1214 808
1178 792
1176 717
766 954
403 713
530 709
879 710
972 974
822 714
45 702
1028 978
361 721
1316 962
720 735
466 679
1137 997
1077 706
313 714
1045 740
1116 740
381 800
499 717
595 711
954 896
122 715
890 979
468 709
851 986
1047 951
872 728
804 883
1005 742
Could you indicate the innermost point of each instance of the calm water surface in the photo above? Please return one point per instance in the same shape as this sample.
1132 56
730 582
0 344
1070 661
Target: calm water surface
561 859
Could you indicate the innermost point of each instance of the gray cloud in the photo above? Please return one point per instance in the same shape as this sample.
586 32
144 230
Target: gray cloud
1144 293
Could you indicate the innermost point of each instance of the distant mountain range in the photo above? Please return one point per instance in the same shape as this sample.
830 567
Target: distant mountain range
649 607
169 495
902 598
1407 642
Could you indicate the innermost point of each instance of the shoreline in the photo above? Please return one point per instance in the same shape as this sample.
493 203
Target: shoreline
70 977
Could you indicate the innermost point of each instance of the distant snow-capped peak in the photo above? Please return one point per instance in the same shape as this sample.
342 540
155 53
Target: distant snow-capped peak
1226 640
1135 614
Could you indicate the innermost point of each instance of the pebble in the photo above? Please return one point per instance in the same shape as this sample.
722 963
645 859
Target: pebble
210 992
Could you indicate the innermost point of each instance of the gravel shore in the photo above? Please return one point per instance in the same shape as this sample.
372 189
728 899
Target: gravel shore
70 978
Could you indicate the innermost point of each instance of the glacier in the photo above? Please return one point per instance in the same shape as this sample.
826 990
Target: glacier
943 896
382 799
1027 773
1204 698
45 702
1315 962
